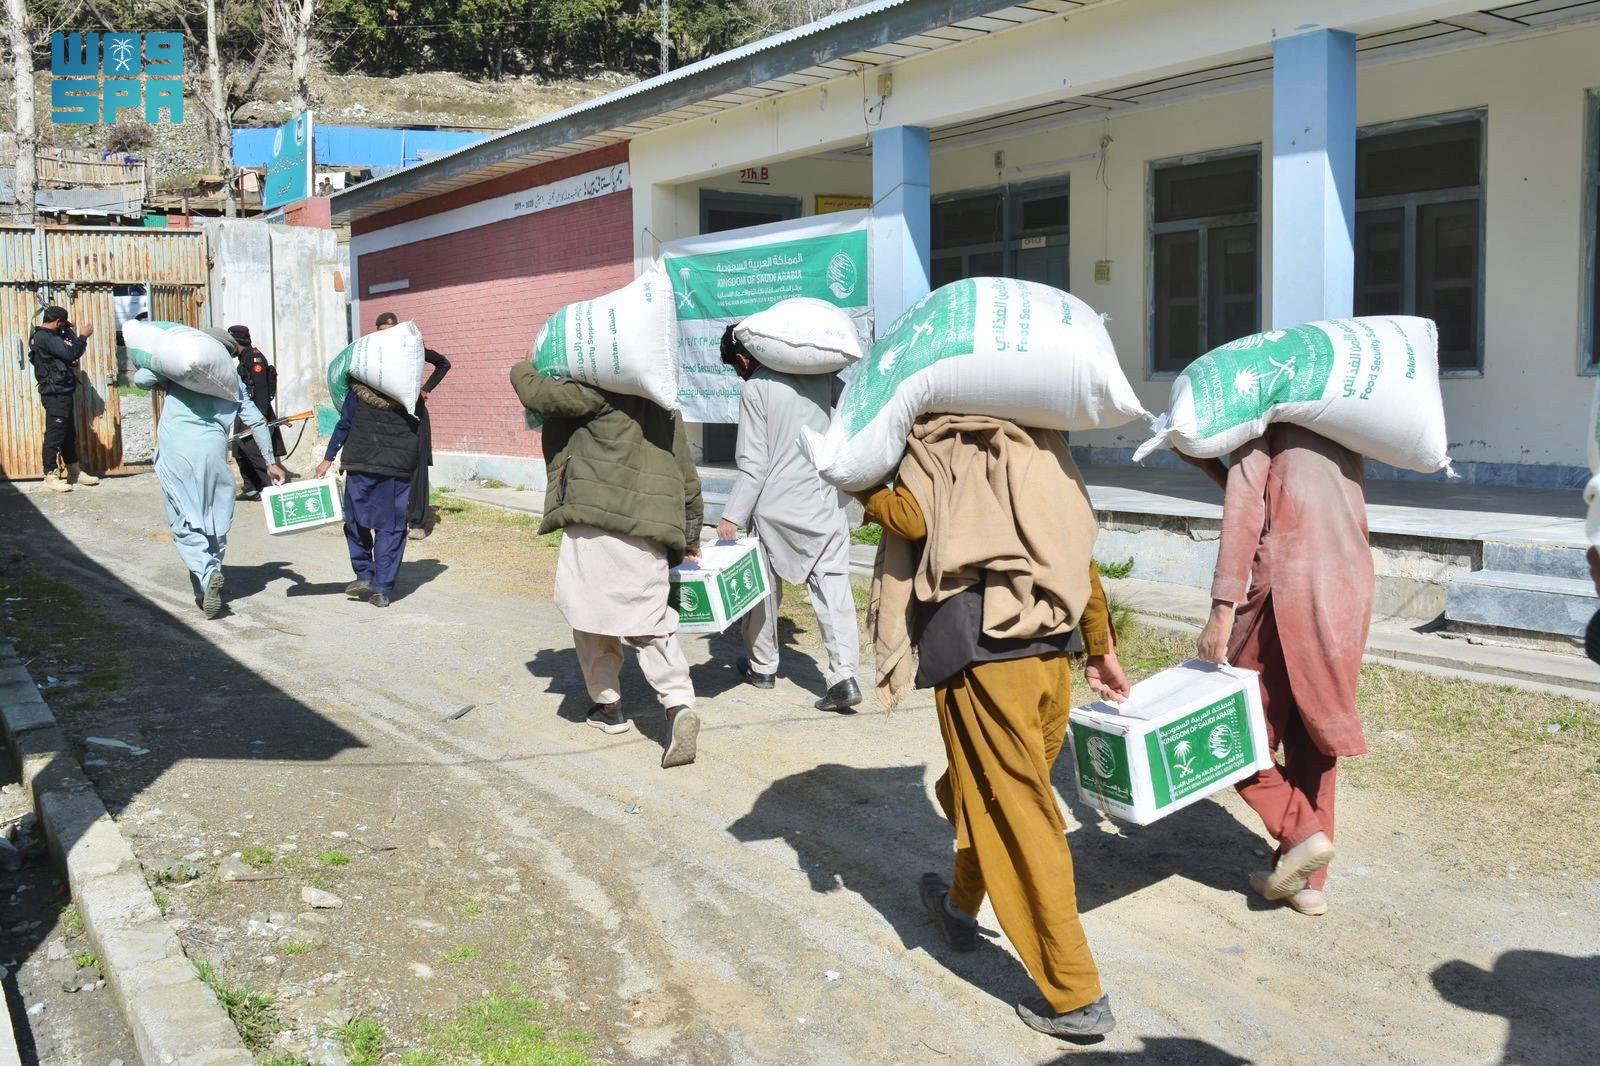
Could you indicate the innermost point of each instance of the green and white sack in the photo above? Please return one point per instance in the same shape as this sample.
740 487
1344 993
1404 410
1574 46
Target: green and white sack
390 361
625 341
1370 384
999 347
802 335
184 356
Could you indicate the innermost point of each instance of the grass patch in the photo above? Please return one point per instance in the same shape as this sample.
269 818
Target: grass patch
72 919
252 1013
86 960
471 518
295 947
163 904
502 1031
471 910
131 390
461 954
492 483
334 858
1116 571
866 534
362 1041
257 856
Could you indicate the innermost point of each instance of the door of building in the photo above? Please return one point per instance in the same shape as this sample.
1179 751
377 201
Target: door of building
720 212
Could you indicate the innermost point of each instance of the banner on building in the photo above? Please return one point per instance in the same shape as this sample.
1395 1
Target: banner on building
289 165
722 278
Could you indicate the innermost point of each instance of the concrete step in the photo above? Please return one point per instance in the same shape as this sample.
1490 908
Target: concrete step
1530 603
1544 559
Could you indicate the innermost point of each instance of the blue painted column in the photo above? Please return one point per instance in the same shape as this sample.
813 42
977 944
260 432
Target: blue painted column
900 221
1313 177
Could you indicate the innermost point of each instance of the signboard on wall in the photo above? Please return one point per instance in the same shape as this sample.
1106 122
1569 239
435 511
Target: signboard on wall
722 278
827 205
289 165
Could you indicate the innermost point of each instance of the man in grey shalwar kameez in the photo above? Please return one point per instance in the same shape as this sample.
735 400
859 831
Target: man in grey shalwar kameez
799 519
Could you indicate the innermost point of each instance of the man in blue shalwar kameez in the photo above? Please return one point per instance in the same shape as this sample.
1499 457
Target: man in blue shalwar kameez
379 440
192 463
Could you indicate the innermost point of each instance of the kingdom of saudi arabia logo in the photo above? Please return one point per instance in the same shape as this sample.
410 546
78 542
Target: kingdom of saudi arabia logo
1101 755
842 276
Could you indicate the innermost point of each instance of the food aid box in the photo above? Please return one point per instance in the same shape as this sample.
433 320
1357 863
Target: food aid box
1183 734
300 505
719 588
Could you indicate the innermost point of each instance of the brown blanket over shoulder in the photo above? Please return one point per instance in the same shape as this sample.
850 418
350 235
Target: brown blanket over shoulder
1004 506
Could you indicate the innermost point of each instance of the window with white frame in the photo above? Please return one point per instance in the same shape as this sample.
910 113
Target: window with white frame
1205 254
1591 235
1419 229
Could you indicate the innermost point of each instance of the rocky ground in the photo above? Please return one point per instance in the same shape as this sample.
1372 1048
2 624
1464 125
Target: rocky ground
389 829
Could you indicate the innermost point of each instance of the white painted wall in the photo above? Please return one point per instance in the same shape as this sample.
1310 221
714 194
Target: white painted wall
1530 404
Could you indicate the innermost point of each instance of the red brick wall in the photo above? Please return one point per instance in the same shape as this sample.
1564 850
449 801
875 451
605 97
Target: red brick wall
481 295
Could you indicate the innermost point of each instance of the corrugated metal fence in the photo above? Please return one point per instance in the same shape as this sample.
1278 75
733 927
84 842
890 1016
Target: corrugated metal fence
76 267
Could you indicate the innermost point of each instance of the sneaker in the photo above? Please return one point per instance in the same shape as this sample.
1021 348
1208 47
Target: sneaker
1312 902
960 935
359 589
211 603
379 599
249 496
416 533
1085 1023
685 727
1297 864
76 476
608 718
841 697
754 677
54 482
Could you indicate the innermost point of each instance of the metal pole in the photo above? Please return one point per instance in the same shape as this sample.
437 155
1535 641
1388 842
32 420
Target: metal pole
666 62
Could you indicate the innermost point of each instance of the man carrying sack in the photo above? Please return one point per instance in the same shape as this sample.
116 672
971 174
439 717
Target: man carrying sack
799 518
985 573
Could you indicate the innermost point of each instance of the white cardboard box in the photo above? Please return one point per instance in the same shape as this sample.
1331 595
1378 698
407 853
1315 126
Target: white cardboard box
301 505
1183 734
720 587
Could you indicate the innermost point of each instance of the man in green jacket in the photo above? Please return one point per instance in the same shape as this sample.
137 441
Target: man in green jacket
624 491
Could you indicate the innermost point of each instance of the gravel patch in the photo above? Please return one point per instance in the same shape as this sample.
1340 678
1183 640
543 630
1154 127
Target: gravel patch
138 440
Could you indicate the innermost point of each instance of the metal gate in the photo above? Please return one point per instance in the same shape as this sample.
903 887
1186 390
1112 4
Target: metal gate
76 267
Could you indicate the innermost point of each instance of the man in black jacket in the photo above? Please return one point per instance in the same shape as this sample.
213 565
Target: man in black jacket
417 513
54 350
261 385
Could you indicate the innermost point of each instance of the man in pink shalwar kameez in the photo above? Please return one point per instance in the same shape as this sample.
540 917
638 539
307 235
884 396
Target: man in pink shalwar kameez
1292 599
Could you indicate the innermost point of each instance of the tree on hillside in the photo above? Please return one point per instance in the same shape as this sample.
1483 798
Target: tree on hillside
291 24
19 42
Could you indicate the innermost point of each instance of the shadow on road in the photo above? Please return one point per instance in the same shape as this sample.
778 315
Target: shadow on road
1551 1001
833 818
1157 1051
132 669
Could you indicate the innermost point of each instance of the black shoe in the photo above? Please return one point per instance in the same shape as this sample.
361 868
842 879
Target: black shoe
754 677
416 533
211 602
359 589
960 935
249 496
685 728
379 599
608 718
1088 1024
841 697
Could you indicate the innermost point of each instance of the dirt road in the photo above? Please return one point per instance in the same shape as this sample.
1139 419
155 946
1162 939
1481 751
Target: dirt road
759 906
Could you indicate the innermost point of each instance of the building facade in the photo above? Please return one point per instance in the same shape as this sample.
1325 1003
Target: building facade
1193 171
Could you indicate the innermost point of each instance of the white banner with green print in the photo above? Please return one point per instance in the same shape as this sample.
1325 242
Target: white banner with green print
720 279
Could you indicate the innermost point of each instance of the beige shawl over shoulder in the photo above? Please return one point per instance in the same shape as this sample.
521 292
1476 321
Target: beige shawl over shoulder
1004 506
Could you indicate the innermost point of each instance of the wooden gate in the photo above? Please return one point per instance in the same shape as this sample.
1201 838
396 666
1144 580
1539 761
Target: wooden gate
77 267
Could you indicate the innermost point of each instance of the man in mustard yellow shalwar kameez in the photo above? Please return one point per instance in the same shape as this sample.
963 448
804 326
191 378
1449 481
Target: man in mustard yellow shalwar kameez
988 572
